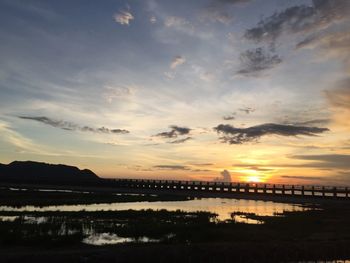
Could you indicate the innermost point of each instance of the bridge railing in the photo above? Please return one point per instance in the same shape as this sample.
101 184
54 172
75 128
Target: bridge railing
238 187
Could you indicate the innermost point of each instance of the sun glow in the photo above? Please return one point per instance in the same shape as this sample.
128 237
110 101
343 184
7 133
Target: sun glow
252 176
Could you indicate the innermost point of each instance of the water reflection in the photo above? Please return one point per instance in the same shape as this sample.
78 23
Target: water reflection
221 206
100 239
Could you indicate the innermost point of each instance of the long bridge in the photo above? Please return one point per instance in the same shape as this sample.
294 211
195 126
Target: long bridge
257 189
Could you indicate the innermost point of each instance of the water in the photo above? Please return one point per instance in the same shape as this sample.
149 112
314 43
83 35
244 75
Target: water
221 206
100 239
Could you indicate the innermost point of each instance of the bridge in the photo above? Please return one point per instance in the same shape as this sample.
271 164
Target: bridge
257 189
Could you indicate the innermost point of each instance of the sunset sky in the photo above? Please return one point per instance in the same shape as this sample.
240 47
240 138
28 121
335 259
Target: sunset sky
179 89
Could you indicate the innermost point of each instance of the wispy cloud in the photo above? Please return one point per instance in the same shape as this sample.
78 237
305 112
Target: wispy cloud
123 17
179 24
177 61
234 135
181 140
340 161
70 126
247 110
112 93
171 167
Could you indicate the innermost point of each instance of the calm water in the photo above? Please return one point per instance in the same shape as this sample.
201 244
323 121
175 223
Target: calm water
221 206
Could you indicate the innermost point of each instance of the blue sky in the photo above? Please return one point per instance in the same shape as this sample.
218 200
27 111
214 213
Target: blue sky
140 88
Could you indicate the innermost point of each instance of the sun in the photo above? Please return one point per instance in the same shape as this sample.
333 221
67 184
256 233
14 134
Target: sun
253 179
252 176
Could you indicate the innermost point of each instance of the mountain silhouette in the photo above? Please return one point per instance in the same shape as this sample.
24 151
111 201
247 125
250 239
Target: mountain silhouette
37 172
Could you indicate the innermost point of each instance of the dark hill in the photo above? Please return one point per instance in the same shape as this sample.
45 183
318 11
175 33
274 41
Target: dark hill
36 172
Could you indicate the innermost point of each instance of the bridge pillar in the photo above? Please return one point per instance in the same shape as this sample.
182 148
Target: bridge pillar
247 187
293 191
265 189
302 190
323 191
313 190
334 192
283 190
274 189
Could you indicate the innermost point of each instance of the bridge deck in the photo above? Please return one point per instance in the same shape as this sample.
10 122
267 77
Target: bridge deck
253 188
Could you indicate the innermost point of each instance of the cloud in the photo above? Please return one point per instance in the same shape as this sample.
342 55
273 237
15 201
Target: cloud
181 140
302 177
233 1
339 161
174 132
203 164
332 44
255 61
179 24
225 176
340 97
123 17
217 11
112 93
247 110
234 135
177 61
298 19
70 126
310 122
229 117
153 19
171 167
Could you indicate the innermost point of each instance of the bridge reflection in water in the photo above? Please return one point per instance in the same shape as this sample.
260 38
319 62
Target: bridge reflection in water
237 188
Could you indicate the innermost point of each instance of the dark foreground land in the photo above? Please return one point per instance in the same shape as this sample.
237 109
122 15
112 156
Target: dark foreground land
321 233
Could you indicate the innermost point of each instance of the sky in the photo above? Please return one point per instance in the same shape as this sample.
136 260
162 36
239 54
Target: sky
225 90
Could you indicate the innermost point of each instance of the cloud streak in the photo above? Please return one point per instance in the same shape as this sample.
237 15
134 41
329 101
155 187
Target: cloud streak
340 161
70 126
171 167
181 140
233 135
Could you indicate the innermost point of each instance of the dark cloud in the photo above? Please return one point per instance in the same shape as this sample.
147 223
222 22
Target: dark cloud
229 117
340 161
255 61
181 140
70 126
174 132
234 135
171 167
297 19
